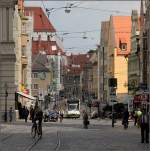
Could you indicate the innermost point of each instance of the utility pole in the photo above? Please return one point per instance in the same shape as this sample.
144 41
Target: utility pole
98 49
6 95
113 86
103 73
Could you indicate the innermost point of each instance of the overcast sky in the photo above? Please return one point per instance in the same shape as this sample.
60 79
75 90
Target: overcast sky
84 20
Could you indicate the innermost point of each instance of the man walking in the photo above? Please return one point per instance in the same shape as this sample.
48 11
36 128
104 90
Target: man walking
85 119
144 127
125 118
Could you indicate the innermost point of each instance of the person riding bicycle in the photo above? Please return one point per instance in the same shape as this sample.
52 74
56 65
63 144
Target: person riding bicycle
38 116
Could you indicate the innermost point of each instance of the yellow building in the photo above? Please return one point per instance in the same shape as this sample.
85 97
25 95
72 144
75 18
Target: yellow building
23 29
118 49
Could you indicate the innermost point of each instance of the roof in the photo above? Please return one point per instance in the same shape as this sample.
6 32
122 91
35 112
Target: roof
50 47
74 70
78 59
39 62
41 21
122 29
77 62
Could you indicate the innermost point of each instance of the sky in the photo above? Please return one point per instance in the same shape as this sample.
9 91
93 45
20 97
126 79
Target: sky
83 20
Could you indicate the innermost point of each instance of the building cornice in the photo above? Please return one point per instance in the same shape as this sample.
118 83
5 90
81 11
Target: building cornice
8 3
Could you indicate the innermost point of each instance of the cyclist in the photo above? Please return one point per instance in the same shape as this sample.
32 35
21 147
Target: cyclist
38 116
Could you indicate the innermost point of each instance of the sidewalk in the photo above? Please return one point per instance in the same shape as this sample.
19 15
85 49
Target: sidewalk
109 122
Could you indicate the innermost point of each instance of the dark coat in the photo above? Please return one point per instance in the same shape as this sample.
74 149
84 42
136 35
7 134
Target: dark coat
85 118
125 116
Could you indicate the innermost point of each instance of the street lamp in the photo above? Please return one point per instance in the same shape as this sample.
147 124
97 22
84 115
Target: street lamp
6 95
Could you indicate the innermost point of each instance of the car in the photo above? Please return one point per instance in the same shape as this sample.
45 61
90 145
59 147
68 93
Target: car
51 116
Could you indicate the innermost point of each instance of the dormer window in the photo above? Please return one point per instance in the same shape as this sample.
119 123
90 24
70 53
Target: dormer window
123 46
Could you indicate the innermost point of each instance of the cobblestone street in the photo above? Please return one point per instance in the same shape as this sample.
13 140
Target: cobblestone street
70 136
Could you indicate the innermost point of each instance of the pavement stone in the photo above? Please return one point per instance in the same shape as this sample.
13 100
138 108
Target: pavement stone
72 137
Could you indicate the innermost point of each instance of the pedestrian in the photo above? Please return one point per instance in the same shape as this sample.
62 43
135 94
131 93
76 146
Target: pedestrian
135 117
85 119
31 113
139 114
61 116
25 113
125 119
10 114
144 127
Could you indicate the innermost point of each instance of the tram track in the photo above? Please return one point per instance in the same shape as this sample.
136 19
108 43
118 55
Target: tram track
32 145
6 137
58 144
36 141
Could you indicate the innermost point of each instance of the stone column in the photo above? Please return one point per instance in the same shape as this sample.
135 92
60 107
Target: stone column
7 56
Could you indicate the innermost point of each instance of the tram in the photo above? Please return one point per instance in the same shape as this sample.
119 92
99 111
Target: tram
73 108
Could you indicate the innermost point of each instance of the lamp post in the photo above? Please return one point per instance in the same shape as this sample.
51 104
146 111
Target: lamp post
103 73
6 95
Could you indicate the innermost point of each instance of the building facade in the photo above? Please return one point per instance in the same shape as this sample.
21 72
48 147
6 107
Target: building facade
145 53
93 89
23 30
134 56
41 76
7 58
144 26
117 47
44 40
102 62
73 77
148 41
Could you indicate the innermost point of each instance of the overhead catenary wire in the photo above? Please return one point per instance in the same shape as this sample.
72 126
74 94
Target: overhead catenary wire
73 6
76 5
104 10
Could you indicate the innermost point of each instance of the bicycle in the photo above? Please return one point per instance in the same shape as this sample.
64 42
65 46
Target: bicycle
36 130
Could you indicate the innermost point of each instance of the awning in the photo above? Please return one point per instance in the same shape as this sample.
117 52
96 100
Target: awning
26 96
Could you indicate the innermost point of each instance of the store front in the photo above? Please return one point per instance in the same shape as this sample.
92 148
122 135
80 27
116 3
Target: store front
141 101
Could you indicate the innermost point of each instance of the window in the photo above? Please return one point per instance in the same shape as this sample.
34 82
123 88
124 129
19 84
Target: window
145 45
54 47
123 46
35 86
35 75
42 75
